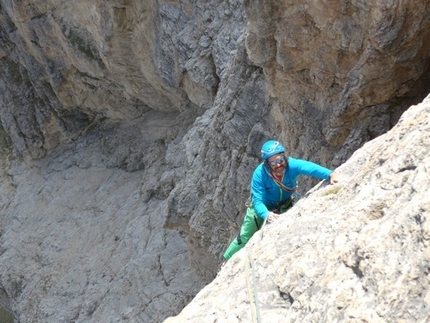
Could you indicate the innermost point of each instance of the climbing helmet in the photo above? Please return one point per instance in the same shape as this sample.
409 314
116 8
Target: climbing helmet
271 148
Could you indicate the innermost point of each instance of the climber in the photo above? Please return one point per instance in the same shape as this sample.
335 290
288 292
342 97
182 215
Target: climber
273 183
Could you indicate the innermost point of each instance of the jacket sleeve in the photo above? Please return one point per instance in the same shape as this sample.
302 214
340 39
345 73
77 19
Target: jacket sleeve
258 192
305 167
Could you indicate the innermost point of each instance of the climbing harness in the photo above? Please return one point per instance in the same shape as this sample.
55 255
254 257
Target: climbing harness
248 203
296 197
283 206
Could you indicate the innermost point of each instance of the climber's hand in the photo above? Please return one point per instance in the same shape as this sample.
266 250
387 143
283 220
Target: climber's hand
334 178
272 217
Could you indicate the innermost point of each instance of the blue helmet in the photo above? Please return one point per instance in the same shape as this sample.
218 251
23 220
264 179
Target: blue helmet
271 148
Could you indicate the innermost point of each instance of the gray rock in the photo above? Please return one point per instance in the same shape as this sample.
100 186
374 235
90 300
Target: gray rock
354 251
134 127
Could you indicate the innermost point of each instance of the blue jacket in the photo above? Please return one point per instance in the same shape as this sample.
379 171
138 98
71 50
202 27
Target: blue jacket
266 194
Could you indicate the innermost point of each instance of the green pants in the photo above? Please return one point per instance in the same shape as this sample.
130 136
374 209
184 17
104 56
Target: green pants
251 224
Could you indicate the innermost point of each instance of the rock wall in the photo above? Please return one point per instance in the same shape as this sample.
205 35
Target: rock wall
66 65
134 127
357 251
340 72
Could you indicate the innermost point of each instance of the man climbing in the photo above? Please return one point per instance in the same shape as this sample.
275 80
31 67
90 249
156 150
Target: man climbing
273 183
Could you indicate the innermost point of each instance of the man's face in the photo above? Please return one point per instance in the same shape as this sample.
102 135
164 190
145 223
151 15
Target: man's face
277 162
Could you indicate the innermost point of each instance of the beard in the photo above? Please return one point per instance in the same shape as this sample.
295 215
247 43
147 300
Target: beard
278 171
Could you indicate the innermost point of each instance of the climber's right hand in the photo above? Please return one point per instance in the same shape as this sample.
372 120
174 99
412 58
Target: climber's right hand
272 217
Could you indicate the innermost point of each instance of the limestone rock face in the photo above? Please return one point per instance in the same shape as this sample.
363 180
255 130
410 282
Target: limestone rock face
357 251
338 73
66 65
338 68
130 129
84 240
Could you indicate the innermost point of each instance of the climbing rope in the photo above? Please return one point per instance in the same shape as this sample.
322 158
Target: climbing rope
252 293
252 288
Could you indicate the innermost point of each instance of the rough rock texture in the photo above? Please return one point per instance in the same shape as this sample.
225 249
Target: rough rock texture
339 73
68 64
85 242
357 251
135 126
337 69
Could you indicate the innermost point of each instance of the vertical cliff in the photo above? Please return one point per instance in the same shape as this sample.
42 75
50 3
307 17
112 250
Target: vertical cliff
129 131
340 72
357 251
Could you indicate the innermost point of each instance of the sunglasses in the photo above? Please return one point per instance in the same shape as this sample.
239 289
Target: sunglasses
277 161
